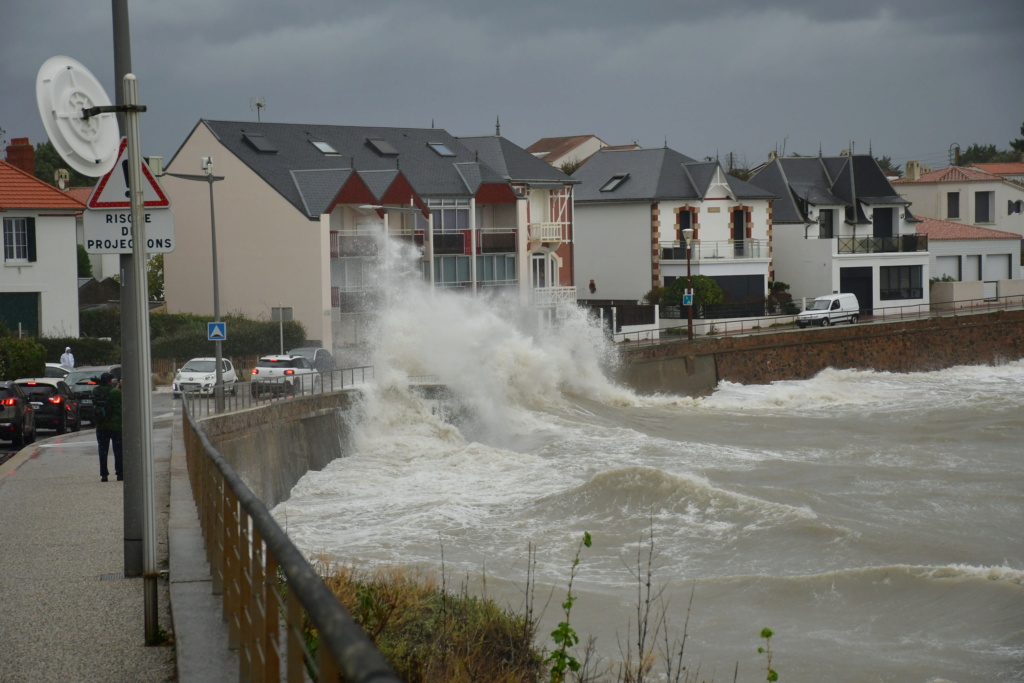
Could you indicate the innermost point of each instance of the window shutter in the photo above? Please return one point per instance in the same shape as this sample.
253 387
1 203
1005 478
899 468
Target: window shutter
30 237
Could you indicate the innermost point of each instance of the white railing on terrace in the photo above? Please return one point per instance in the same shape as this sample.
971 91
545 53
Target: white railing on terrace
714 250
547 232
549 296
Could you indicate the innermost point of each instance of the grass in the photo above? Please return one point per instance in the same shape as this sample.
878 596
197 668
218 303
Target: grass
428 633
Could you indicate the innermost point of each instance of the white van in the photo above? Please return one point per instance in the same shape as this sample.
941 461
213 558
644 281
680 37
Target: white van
829 310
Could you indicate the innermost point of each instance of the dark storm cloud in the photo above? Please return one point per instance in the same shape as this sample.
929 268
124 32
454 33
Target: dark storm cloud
907 77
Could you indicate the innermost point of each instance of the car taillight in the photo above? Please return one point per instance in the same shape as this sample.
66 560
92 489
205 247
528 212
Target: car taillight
9 402
55 399
255 371
289 371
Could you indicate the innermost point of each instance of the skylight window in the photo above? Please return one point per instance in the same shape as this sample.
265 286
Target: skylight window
324 147
382 147
441 149
614 182
260 143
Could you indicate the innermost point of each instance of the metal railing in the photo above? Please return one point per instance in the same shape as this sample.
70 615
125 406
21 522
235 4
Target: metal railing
249 555
549 296
246 395
706 327
715 250
547 231
876 245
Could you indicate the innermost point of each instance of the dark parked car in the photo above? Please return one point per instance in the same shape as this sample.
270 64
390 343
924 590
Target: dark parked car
83 381
54 403
17 419
320 359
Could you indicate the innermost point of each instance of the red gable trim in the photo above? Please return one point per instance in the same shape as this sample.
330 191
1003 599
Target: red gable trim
495 193
353 191
400 192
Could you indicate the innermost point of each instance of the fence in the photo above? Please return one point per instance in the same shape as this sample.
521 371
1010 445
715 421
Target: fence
249 555
246 395
772 323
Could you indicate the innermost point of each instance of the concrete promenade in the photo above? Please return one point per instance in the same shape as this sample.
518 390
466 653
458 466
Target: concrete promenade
67 613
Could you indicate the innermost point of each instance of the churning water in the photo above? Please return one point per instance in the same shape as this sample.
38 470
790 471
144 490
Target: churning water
872 520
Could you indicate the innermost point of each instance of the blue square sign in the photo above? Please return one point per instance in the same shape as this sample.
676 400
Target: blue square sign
217 331
687 299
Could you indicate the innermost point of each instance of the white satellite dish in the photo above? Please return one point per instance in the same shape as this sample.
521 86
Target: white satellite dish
63 89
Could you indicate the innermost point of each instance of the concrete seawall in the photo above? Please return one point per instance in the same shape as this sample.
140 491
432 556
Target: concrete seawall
271 447
695 367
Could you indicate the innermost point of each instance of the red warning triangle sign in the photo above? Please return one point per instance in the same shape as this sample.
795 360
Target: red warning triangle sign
111 192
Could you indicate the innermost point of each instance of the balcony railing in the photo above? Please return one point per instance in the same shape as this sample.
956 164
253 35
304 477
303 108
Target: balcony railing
549 296
714 250
877 245
547 232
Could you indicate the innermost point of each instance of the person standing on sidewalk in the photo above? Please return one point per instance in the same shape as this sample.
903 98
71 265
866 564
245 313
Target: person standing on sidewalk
68 359
106 401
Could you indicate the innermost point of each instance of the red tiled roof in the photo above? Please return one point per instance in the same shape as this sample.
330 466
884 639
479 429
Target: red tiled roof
937 229
19 190
1004 168
951 174
81 194
554 148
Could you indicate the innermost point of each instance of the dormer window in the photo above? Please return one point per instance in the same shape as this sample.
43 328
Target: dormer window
259 143
382 147
324 147
614 182
441 149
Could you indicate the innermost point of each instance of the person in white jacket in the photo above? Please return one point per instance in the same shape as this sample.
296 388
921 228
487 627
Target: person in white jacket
68 360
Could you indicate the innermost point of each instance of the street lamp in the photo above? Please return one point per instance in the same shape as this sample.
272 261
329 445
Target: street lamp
688 235
210 179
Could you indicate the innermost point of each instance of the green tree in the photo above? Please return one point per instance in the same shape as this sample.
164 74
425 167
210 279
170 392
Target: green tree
705 291
48 161
569 166
985 154
888 167
84 264
1017 145
155 277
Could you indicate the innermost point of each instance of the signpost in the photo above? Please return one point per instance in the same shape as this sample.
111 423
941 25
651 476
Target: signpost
107 222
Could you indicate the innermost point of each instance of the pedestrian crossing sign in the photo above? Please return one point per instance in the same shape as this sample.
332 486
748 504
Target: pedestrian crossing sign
217 331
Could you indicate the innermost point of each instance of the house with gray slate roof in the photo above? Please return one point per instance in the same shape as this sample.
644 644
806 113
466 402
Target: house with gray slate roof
839 226
302 209
632 207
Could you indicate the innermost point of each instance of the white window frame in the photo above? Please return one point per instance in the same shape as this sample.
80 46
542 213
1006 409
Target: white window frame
16 247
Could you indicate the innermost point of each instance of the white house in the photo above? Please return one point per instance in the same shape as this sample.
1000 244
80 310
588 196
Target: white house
965 195
301 208
632 207
839 226
39 278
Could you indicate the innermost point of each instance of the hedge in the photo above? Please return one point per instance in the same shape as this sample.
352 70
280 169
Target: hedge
21 358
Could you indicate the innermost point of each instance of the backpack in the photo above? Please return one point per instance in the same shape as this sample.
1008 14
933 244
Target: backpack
101 404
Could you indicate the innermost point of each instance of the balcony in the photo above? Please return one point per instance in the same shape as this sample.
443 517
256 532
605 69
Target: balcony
880 245
550 296
715 250
547 232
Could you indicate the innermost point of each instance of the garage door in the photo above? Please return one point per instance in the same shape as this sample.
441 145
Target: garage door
947 266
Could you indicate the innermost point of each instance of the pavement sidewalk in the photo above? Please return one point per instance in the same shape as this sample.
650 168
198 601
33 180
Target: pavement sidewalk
69 613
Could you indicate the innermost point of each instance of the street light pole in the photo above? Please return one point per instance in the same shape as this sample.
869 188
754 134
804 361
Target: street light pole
210 179
688 235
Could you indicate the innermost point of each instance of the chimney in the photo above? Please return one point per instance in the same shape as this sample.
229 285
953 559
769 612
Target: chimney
20 154
913 170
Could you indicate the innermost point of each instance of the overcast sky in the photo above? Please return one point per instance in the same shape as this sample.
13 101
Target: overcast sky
907 77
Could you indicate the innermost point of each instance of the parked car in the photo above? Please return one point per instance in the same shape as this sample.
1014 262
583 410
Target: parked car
829 310
56 370
83 381
17 418
282 375
54 403
200 375
320 358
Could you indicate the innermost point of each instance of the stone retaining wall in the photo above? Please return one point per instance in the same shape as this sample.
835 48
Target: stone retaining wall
695 367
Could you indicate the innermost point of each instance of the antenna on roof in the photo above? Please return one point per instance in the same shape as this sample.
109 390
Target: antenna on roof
819 150
497 126
431 123
666 140
353 160
870 152
258 104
